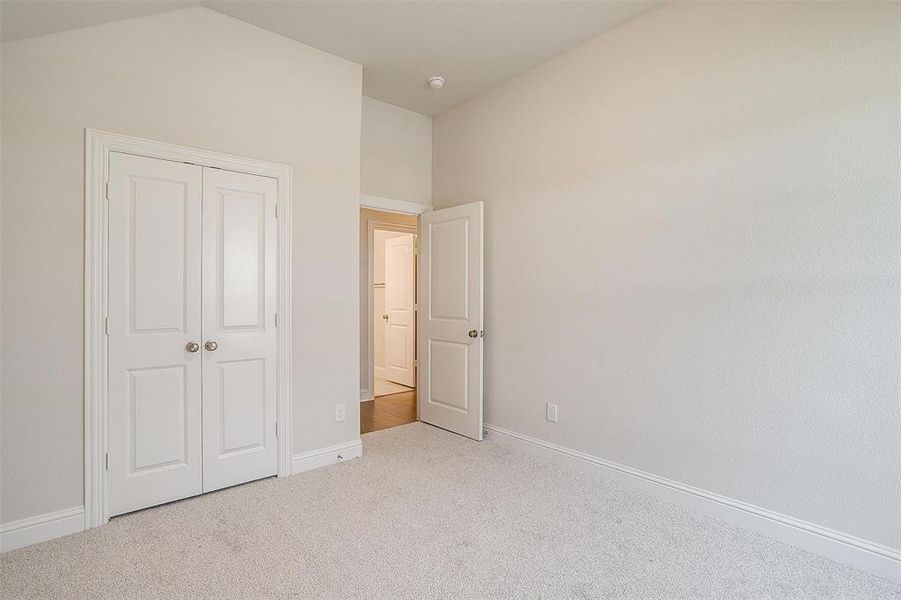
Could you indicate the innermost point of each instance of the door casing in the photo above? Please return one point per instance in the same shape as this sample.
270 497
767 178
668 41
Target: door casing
372 226
98 145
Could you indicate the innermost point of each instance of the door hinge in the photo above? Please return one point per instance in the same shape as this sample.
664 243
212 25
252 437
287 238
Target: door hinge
276 319
106 461
276 210
106 326
106 192
276 429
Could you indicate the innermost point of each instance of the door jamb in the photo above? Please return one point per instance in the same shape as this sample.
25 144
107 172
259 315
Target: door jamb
393 205
396 206
98 145
372 225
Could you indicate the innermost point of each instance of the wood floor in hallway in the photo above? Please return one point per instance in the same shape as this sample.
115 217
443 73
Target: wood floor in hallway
388 411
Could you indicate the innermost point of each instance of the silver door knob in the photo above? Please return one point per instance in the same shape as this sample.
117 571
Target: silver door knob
385 317
211 345
473 333
192 346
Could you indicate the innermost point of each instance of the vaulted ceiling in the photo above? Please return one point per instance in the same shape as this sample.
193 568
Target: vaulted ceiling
473 44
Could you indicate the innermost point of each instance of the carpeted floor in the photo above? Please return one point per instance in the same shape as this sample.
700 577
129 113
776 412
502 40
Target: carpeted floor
427 514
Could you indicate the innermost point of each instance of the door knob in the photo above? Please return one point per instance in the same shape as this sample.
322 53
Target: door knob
211 345
192 346
385 317
473 333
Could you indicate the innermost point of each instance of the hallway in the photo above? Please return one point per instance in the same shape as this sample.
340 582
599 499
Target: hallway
388 411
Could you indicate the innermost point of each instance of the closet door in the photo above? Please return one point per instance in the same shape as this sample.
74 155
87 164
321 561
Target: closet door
154 332
239 347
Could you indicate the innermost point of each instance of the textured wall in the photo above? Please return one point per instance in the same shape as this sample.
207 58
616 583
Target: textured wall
195 78
396 152
693 245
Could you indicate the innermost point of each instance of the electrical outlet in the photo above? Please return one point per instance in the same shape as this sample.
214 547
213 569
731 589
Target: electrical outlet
340 412
552 413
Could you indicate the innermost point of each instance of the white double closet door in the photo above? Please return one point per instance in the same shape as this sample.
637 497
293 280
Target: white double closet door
192 338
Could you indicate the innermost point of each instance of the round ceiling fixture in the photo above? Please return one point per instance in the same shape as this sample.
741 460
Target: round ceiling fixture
436 82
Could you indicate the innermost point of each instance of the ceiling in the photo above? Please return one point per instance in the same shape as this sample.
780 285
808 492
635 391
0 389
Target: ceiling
27 18
473 44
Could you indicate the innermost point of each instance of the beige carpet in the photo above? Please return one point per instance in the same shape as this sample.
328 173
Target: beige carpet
427 514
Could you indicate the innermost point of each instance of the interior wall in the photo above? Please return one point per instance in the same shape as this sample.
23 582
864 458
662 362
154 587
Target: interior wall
396 152
367 359
195 78
693 246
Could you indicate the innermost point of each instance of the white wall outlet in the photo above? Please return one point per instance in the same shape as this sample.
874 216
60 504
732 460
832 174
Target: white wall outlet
340 412
552 413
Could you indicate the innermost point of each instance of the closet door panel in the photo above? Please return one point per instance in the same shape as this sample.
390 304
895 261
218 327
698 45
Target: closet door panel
239 301
154 381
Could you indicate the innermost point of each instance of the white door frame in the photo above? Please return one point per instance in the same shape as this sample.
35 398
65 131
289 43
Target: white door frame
373 225
393 205
390 205
98 145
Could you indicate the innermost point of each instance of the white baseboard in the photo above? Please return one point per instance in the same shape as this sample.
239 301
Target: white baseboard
875 558
321 457
41 528
33 530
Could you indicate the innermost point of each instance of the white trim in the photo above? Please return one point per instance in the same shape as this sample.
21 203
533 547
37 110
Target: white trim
371 370
840 547
34 530
307 461
98 145
393 204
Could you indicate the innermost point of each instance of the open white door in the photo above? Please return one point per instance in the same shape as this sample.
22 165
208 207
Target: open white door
451 329
400 306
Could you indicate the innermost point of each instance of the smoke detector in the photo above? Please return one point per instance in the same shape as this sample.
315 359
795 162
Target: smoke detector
436 82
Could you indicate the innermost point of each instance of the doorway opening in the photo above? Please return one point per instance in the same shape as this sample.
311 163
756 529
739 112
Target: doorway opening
389 247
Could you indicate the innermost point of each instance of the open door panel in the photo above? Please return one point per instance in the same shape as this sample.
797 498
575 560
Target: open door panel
451 313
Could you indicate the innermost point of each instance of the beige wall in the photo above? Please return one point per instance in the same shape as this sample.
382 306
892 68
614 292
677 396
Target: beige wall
366 319
396 152
395 162
693 245
194 78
